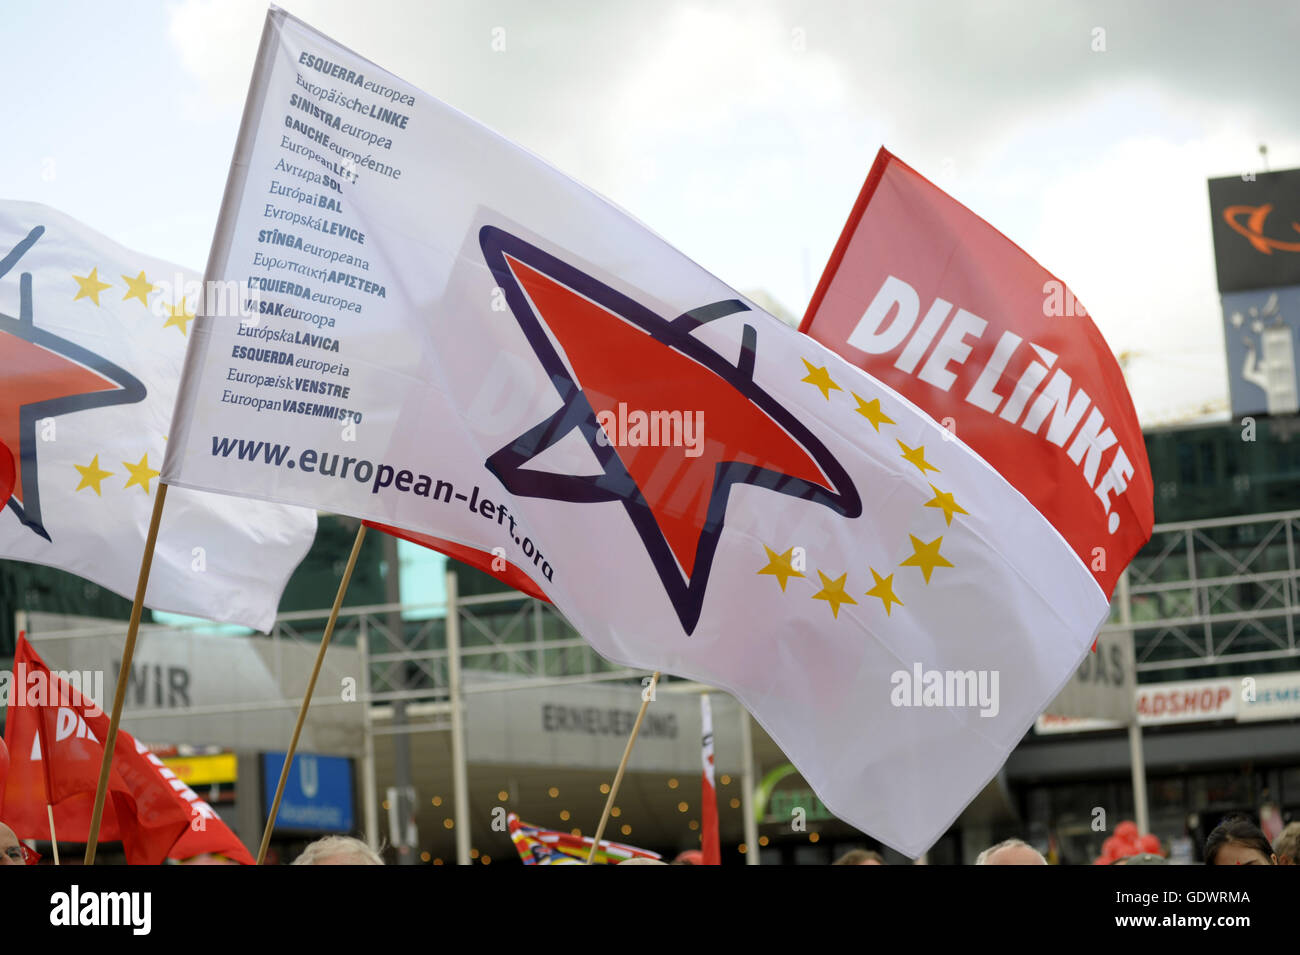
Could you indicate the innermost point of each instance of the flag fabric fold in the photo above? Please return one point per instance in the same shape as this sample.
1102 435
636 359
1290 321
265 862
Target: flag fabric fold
492 564
92 339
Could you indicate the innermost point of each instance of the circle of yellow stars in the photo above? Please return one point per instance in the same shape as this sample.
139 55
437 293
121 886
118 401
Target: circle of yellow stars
91 286
925 557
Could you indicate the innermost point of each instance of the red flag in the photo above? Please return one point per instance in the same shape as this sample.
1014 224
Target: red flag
709 843
54 735
7 473
489 563
932 300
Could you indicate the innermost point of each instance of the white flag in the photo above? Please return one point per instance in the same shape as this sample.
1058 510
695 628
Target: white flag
455 338
92 338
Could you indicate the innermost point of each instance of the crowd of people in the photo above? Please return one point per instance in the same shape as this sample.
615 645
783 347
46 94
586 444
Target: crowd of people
1235 841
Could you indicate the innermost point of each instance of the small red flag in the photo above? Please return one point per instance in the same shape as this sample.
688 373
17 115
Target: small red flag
709 840
55 739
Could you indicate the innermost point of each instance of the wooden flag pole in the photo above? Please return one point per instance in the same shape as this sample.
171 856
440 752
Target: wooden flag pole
618 777
119 697
54 840
311 686
46 759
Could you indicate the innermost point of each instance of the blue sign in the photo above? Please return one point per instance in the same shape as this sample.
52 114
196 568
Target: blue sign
317 794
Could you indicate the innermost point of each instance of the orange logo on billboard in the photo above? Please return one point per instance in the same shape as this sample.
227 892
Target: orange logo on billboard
1253 229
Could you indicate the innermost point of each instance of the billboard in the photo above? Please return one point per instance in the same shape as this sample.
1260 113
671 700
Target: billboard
1255 219
1195 701
220 689
586 727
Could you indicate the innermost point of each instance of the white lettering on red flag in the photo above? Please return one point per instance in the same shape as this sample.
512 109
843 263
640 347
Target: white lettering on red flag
936 303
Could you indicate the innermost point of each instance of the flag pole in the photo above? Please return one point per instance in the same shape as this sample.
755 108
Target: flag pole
311 686
49 789
54 840
119 697
618 777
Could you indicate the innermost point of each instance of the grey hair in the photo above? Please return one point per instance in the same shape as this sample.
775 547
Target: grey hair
1287 843
983 857
353 851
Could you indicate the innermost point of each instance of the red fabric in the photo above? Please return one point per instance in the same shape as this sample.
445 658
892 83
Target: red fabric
144 810
905 227
508 574
8 474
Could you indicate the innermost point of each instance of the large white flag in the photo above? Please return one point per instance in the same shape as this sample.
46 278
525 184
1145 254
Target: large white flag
455 338
92 338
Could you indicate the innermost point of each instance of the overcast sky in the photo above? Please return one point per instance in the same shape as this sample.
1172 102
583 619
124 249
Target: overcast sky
740 132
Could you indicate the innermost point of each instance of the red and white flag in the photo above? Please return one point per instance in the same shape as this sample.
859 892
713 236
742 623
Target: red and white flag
92 339
478 349
53 733
710 845
937 304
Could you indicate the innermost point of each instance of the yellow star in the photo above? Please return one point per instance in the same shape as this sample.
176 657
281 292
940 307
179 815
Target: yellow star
819 376
138 287
179 316
91 475
141 473
926 556
884 589
946 503
871 411
917 456
90 286
780 566
833 592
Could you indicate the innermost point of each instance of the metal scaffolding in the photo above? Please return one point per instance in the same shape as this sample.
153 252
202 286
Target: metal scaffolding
1217 594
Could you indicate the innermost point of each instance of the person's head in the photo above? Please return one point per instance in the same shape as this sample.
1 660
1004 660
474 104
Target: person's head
1287 845
338 850
639 860
860 857
11 850
689 857
1238 841
1142 858
1011 852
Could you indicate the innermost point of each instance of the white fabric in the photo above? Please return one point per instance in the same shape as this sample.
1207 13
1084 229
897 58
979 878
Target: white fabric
444 378
223 559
